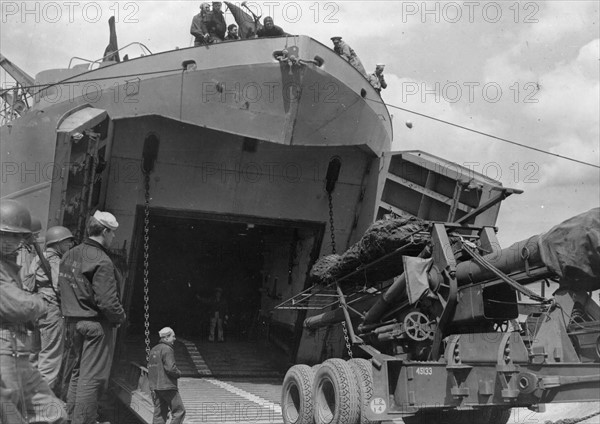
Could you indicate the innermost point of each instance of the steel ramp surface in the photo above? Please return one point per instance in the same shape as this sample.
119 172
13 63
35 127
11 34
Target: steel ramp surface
232 382
233 358
212 400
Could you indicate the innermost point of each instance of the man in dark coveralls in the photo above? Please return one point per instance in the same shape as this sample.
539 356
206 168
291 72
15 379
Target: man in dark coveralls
89 294
162 376
24 394
269 29
217 25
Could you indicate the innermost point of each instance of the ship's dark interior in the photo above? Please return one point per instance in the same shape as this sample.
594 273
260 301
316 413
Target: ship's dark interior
189 260
190 257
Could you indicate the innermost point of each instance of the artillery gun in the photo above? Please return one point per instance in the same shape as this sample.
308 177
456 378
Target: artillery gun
449 336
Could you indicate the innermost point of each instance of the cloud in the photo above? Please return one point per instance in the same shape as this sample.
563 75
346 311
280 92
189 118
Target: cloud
556 19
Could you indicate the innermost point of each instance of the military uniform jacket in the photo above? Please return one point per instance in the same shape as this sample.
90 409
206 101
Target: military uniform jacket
47 288
162 371
17 307
88 284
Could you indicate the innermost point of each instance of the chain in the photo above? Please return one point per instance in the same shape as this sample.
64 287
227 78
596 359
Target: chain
146 264
347 339
331 227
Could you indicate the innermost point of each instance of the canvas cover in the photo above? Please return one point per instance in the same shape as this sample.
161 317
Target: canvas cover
572 251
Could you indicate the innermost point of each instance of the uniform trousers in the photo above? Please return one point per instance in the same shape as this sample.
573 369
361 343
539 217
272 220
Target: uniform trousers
165 400
25 395
47 345
88 350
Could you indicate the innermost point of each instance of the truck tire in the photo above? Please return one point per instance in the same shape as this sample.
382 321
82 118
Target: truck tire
297 395
336 399
364 378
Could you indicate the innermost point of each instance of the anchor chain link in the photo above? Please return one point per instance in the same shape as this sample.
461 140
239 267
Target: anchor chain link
331 226
347 339
147 264
333 250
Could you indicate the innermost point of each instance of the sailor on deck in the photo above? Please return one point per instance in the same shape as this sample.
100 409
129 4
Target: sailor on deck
232 33
269 29
376 78
200 23
344 50
216 24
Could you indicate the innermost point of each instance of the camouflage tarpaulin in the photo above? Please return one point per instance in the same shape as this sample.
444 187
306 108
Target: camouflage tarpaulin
382 237
572 250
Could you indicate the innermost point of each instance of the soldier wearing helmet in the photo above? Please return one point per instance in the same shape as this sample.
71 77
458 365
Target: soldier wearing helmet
27 252
47 351
22 385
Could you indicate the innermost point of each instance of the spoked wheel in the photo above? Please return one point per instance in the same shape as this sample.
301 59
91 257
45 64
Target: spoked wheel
297 395
335 394
418 327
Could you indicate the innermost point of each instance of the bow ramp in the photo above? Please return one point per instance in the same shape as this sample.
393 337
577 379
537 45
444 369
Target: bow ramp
231 382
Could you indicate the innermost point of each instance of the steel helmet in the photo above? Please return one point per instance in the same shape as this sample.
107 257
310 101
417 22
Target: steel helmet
36 225
57 234
14 217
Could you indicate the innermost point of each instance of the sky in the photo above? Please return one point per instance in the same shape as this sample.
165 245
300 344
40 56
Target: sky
525 71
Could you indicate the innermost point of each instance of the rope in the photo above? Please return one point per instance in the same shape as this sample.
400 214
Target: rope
573 420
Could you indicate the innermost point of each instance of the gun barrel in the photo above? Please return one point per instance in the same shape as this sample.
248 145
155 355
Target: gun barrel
517 257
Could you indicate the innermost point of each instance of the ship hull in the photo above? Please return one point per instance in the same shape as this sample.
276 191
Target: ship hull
239 88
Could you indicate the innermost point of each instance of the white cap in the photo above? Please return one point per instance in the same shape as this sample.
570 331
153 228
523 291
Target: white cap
380 65
107 219
165 332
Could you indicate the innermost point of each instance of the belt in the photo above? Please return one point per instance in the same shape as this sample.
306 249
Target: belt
77 319
44 285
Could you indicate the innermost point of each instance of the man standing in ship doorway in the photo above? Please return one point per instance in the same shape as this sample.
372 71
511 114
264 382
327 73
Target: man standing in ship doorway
89 298
218 312
24 394
47 347
162 376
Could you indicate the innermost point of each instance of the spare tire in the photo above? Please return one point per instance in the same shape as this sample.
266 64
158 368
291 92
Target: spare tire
336 398
297 395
